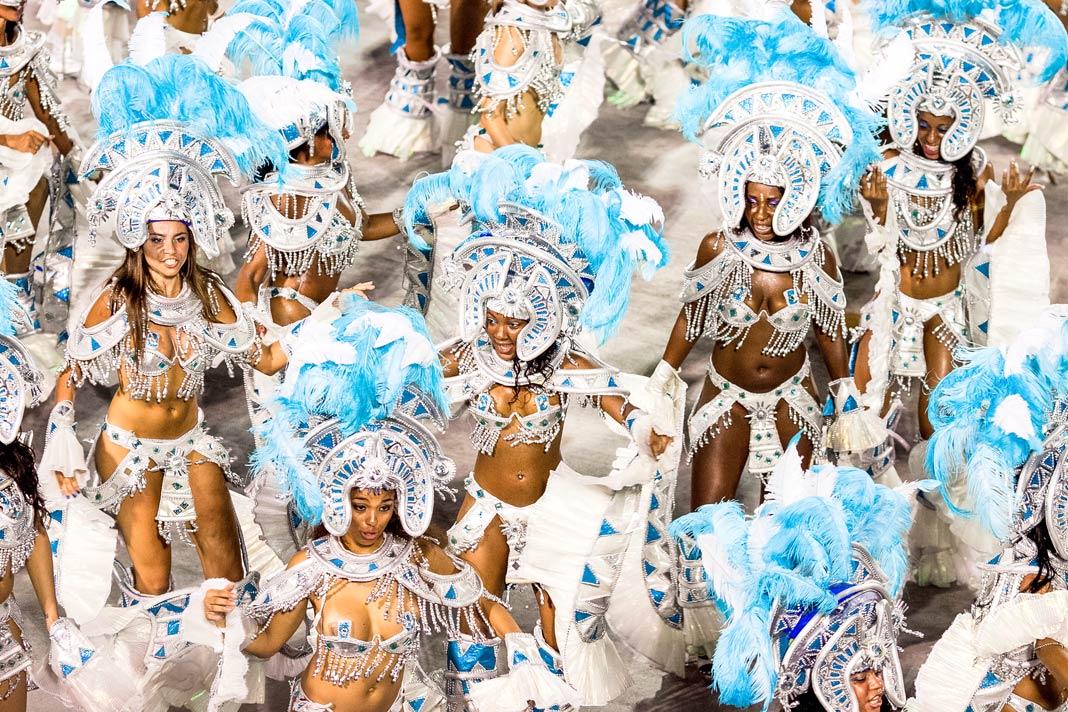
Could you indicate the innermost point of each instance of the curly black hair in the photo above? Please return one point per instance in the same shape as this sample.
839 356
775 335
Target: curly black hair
964 182
1039 536
18 462
540 365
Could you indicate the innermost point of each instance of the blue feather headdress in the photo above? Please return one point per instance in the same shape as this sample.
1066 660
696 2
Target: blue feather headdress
181 88
990 414
1027 24
789 577
817 154
354 371
578 215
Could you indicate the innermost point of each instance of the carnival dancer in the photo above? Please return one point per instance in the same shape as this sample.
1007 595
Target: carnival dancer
925 200
24 542
550 253
31 123
998 450
519 58
166 131
404 123
363 396
782 139
810 588
307 218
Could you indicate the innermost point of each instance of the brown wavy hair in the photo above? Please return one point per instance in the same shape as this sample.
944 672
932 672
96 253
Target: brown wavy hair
133 279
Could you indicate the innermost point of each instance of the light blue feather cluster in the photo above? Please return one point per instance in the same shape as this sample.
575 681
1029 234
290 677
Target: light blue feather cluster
9 306
967 441
589 216
276 38
792 555
737 53
1028 24
182 88
355 393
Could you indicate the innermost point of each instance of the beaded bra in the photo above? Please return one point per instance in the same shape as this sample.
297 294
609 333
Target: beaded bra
94 353
715 294
538 66
420 600
921 196
322 233
17 532
24 58
481 369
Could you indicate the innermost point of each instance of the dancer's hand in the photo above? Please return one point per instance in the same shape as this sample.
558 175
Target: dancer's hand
218 602
658 443
1015 185
362 288
28 142
67 485
873 189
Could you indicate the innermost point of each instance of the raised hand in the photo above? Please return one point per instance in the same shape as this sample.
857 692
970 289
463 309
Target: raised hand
873 189
1015 184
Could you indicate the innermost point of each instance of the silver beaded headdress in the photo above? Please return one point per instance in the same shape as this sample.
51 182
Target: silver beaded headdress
167 130
969 57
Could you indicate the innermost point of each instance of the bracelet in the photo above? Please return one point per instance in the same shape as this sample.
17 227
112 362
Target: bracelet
398 218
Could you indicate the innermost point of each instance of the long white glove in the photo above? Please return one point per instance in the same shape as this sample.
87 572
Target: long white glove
62 452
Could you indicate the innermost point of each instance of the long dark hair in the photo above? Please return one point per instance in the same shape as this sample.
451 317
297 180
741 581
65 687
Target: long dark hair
1039 536
133 280
964 183
17 461
540 365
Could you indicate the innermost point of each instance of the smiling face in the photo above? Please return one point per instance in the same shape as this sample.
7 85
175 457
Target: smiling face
930 131
371 514
504 333
868 687
167 248
760 203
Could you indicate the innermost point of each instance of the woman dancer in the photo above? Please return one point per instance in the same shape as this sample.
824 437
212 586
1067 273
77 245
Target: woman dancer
376 585
31 122
766 278
547 256
518 68
925 204
810 587
998 450
159 322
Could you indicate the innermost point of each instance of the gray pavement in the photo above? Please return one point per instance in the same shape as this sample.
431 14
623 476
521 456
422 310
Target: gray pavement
661 164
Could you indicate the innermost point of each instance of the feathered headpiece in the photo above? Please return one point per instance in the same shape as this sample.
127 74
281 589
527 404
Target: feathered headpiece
20 381
808 586
554 244
779 108
970 53
167 129
353 411
999 425
289 52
